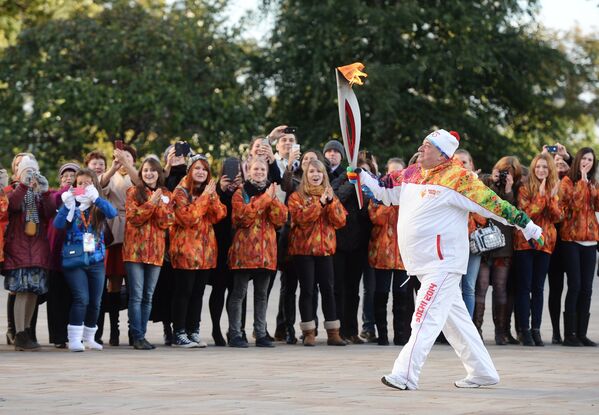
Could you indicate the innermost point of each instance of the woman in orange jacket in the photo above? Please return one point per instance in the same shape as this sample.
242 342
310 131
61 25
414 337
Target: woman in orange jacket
384 257
149 214
257 212
193 248
539 199
579 233
315 215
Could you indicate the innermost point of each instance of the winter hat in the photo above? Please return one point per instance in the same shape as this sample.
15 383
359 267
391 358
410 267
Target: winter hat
68 166
27 163
446 142
195 158
334 145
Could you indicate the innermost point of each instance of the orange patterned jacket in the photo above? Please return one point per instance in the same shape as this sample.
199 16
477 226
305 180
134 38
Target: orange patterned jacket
383 250
313 225
579 202
145 228
255 241
545 211
475 219
192 239
3 222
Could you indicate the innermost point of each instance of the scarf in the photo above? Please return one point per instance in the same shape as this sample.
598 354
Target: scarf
314 190
31 212
253 188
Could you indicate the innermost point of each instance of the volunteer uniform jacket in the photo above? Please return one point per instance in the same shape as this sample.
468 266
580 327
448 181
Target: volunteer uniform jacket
435 203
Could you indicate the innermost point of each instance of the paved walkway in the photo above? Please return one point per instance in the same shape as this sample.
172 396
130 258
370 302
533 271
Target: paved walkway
290 379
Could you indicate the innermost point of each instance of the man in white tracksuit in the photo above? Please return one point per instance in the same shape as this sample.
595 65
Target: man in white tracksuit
435 196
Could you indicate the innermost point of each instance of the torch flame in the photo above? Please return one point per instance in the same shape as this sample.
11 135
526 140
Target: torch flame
353 73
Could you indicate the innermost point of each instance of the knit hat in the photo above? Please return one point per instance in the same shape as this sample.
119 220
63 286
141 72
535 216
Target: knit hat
195 158
334 145
68 166
27 163
446 142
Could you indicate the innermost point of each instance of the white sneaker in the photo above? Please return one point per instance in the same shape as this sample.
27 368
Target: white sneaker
388 381
195 337
468 384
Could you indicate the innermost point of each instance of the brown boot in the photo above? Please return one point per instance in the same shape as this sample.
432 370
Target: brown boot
479 313
309 331
332 328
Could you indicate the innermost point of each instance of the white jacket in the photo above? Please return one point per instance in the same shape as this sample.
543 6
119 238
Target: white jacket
432 229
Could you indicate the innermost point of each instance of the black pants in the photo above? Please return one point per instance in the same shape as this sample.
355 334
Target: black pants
348 266
316 270
59 305
188 297
579 262
287 304
557 268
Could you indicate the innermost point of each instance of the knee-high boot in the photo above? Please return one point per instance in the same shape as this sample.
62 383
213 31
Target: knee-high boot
478 318
402 317
499 318
10 317
31 330
554 313
114 300
380 317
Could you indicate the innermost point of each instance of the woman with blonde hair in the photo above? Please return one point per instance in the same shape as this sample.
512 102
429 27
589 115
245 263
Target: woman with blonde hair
539 199
315 215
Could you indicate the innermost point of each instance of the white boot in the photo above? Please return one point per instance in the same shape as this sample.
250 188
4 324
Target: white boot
75 334
89 334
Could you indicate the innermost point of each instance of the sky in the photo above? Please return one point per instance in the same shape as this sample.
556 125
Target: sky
556 14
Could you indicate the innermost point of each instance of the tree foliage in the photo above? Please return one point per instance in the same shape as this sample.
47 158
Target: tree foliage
476 67
145 74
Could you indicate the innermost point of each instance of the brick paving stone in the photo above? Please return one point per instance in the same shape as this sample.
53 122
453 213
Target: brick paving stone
290 379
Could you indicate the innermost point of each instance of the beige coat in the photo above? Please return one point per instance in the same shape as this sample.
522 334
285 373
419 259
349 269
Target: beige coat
116 193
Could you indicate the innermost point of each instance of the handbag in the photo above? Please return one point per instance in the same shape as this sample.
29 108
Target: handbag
486 239
73 256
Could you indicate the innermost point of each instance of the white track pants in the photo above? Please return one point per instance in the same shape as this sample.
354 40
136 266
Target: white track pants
439 306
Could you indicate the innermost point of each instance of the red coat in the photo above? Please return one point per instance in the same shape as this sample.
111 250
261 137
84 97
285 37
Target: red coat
20 250
383 250
255 242
579 202
3 220
544 211
192 239
145 228
313 225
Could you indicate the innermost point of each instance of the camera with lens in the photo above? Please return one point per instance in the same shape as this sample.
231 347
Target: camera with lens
503 177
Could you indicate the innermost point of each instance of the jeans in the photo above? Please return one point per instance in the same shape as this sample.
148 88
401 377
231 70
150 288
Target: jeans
141 282
579 261
469 282
261 280
531 271
369 282
86 286
316 270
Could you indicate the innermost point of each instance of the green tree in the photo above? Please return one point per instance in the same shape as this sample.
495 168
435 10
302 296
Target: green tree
482 68
143 73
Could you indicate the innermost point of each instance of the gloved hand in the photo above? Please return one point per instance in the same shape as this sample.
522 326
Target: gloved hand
367 192
535 232
26 178
42 182
91 193
68 198
353 173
